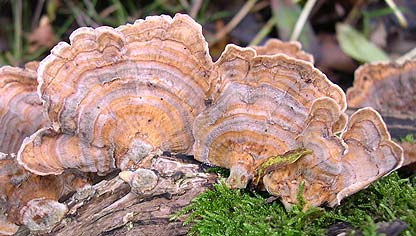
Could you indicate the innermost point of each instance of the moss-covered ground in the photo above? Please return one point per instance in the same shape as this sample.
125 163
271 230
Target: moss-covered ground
222 211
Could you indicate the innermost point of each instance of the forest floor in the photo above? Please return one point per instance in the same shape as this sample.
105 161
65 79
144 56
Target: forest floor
341 35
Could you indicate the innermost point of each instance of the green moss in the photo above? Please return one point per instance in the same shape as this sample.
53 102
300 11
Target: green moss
222 211
222 172
388 199
408 138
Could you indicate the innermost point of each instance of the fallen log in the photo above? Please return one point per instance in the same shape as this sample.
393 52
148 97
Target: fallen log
111 208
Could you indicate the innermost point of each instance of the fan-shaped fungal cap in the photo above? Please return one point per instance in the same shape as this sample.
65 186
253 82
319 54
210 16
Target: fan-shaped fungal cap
259 108
371 152
129 90
409 152
32 200
6 171
337 167
6 227
292 49
42 214
20 108
390 88
50 152
387 87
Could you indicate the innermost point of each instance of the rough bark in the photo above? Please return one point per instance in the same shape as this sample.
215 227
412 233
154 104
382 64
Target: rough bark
111 208
391 228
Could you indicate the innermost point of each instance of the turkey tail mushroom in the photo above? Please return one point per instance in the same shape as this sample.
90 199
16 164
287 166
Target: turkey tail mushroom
23 196
20 108
371 153
27 199
260 106
292 49
117 96
48 152
390 88
387 87
337 167
409 153
126 92
7 171
319 171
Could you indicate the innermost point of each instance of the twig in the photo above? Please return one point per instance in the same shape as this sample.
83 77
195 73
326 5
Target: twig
10 58
76 12
260 6
36 15
184 3
107 11
302 19
234 22
195 8
88 20
91 11
265 30
397 13
354 13
17 15
274 5
81 18
411 55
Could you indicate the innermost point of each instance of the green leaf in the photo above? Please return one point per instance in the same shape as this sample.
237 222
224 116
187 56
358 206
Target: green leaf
354 44
279 162
286 14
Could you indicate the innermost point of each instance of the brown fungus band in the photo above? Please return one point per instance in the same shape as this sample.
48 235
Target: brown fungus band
291 49
20 107
337 166
390 88
116 95
259 109
30 199
387 87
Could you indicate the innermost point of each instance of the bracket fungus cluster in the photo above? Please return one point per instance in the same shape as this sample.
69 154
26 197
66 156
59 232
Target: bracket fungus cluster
390 88
275 107
30 199
336 167
26 198
259 109
20 107
387 87
116 96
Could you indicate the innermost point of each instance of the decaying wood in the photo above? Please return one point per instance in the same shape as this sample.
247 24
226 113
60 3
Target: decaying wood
392 228
110 208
